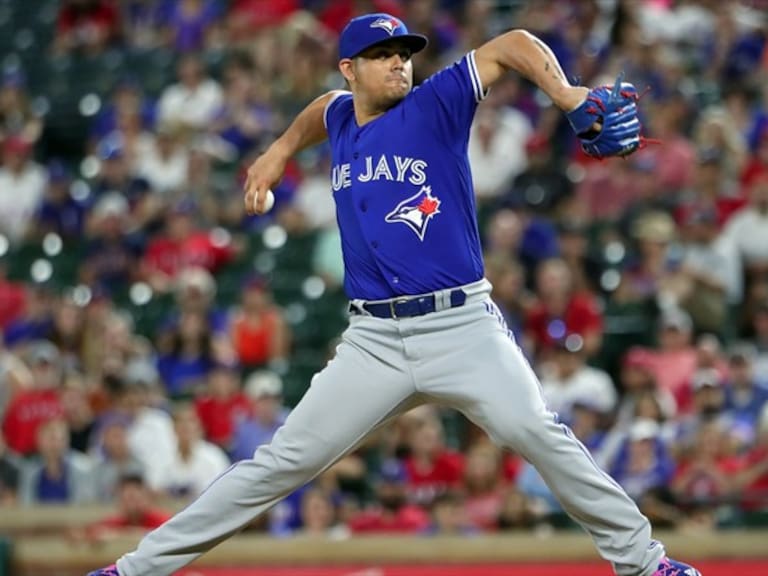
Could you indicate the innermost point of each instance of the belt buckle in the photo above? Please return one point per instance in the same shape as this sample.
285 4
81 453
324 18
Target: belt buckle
392 304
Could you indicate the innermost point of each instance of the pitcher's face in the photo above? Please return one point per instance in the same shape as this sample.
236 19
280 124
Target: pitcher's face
383 74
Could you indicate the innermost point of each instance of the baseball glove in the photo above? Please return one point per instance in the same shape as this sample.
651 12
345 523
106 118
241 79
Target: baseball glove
614 108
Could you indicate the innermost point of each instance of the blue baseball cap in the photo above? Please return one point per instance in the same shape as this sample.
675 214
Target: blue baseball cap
371 29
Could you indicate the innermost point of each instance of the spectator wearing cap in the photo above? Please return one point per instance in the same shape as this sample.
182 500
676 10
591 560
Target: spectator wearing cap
17 115
265 391
655 267
260 334
58 475
60 212
716 129
164 163
112 252
391 514
192 102
745 395
30 408
195 463
22 188
497 151
195 292
708 405
116 175
151 437
674 360
559 311
223 405
566 380
644 467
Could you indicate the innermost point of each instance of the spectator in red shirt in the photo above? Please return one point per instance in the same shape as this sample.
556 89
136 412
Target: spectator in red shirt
704 481
483 491
135 512
183 245
560 311
752 481
392 513
30 408
260 334
223 405
674 362
431 467
90 25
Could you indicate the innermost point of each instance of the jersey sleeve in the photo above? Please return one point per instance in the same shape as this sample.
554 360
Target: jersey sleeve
448 99
336 107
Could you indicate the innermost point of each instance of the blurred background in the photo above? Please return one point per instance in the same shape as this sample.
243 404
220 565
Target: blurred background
153 333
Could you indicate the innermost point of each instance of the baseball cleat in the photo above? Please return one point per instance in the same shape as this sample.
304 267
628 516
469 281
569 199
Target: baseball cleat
669 567
110 570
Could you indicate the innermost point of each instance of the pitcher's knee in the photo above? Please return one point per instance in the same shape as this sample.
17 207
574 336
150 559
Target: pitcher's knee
522 432
288 462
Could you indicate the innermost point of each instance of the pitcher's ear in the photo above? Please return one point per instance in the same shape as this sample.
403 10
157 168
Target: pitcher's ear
347 69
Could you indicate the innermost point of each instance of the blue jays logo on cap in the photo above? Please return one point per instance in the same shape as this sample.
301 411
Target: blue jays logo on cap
388 24
416 211
365 31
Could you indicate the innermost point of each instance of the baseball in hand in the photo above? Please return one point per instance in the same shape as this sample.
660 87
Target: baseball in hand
269 201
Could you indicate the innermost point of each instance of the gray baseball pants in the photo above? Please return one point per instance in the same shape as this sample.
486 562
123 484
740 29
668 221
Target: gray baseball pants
461 357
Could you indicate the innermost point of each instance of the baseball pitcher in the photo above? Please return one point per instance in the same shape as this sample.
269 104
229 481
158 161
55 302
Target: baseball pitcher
422 325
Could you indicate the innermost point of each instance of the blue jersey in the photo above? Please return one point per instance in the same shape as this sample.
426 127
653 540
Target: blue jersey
403 189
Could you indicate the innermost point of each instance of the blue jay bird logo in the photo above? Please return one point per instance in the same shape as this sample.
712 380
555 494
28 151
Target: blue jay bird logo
416 211
387 24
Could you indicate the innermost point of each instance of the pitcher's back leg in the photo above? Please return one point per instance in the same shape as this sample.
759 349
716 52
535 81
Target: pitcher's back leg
351 396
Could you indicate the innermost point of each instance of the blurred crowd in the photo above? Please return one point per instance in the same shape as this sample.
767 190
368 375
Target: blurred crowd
637 288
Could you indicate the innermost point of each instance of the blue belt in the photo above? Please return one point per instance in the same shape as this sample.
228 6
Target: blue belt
409 306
